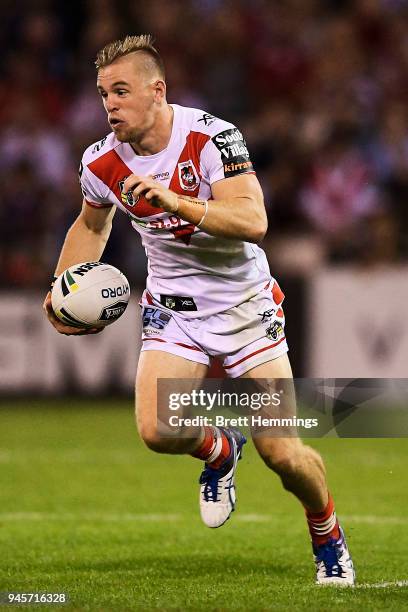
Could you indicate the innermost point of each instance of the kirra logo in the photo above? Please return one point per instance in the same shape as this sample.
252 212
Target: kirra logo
82 270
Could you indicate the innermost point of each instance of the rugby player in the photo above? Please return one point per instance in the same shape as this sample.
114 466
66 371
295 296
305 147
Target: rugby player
185 180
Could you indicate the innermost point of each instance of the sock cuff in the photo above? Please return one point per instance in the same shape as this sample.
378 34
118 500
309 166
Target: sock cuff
205 448
325 514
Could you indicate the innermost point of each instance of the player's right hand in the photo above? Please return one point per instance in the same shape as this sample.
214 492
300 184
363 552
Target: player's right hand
61 328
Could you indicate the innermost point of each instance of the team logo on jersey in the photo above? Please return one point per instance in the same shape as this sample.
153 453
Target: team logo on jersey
127 198
188 175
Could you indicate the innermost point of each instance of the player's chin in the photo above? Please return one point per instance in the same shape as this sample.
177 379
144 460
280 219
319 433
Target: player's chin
122 134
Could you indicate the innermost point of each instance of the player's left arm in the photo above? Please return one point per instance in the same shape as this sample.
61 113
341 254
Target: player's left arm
237 209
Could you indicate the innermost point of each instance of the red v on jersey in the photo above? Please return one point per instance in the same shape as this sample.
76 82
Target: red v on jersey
195 142
111 169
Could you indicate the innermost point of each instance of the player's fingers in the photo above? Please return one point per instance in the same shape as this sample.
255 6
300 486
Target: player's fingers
137 191
61 328
143 187
83 331
132 181
151 194
57 323
47 302
47 307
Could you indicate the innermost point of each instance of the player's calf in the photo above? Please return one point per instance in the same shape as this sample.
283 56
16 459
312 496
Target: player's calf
168 444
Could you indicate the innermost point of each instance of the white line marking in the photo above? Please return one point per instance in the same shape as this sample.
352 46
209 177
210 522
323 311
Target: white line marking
382 585
371 519
91 516
255 518
164 517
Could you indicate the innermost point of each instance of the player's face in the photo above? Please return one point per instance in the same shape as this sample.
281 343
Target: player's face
129 98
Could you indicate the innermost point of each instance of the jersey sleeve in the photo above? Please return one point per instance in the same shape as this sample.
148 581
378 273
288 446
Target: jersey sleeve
94 191
226 155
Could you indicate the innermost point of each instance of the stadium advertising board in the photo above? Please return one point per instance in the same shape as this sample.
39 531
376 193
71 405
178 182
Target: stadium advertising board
358 323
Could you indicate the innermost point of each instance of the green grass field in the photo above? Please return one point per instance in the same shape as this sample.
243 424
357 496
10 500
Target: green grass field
86 509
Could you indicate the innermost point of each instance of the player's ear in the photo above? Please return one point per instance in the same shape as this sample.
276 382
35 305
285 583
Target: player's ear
159 88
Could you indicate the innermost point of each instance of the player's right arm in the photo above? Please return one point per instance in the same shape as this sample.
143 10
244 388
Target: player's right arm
85 241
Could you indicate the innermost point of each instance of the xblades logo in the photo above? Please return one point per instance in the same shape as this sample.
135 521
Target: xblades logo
207 119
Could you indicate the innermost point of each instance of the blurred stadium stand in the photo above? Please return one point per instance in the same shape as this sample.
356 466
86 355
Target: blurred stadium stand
319 88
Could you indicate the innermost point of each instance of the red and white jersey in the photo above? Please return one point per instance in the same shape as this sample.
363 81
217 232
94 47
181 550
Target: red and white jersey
188 270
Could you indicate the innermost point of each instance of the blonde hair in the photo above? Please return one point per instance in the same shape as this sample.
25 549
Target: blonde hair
130 44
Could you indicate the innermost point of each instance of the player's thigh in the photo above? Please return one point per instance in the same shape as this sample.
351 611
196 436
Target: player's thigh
152 366
280 446
274 369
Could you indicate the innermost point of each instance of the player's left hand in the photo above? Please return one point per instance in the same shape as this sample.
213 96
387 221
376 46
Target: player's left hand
155 193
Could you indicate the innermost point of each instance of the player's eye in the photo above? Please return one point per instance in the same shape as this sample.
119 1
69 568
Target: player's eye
103 94
121 92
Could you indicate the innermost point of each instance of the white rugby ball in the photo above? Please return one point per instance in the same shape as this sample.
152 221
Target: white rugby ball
90 294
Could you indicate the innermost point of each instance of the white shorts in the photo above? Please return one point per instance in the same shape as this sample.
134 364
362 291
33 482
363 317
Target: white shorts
242 337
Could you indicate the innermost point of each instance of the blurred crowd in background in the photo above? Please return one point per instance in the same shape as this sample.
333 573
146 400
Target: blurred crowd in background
318 87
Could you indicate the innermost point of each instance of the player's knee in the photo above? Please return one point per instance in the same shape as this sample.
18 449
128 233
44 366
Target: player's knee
150 437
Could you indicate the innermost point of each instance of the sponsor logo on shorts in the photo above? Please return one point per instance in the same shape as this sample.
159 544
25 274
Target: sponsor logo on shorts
188 175
178 302
234 152
275 331
154 320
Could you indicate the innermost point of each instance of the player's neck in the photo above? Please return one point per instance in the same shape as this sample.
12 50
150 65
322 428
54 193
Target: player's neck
158 137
